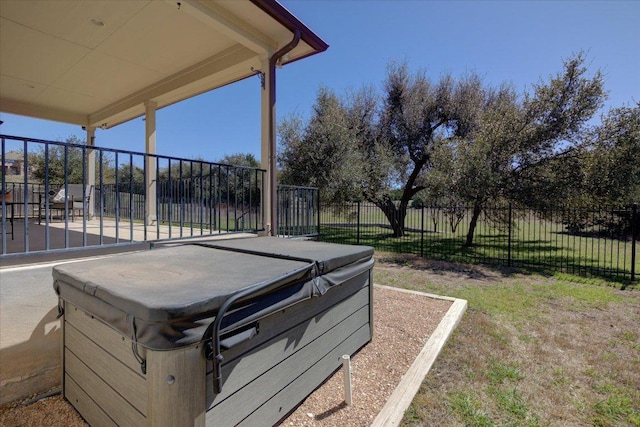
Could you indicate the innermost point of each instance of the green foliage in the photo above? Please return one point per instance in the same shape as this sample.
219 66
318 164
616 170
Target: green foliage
615 409
180 169
57 155
514 406
613 166
622 130
324 152
240 159
499 372
239 183
456 140
376 148
416 114
131 178
469 409
417 203
602 170
47 164
517 143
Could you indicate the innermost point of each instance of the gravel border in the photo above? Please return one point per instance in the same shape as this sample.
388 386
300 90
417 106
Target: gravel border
403 323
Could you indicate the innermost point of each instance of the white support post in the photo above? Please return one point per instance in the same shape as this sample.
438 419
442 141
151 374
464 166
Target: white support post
91 171
267 152
150 162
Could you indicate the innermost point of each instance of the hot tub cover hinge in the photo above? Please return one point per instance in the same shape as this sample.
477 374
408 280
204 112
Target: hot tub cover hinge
134 346
60 308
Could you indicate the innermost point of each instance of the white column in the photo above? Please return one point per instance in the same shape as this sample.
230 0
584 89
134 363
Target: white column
268 149
91 171
150 162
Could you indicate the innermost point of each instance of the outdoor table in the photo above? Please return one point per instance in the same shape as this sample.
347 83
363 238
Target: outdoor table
11 211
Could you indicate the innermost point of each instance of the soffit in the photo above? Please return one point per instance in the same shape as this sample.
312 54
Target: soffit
55 63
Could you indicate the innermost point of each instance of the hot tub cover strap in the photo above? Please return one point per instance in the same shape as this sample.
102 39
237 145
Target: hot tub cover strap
318 284
134 344
257 290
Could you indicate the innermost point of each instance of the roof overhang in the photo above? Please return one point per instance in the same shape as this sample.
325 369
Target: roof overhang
96 63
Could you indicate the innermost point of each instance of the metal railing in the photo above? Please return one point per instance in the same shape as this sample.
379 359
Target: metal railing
588 242
58 196
298 211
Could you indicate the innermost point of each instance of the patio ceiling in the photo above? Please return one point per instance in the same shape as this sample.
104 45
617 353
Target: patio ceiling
95 63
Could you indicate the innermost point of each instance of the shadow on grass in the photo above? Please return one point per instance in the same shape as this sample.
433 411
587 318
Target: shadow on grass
534 256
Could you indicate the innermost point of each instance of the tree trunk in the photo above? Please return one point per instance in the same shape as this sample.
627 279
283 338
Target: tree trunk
477 210
395 216
401 215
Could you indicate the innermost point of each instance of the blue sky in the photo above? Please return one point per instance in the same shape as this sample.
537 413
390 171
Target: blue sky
520 42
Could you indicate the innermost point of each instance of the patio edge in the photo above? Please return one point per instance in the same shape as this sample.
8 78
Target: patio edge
393 411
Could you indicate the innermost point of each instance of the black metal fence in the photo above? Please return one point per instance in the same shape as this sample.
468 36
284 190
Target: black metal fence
59 196
217 197
589 242
298 211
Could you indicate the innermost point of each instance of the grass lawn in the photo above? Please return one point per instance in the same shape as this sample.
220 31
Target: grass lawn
533 244
531 350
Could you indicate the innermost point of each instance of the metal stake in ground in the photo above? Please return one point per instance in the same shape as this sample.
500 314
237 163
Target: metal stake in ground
346 370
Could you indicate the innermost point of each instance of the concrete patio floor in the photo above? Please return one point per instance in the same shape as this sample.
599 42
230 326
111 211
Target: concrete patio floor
77 234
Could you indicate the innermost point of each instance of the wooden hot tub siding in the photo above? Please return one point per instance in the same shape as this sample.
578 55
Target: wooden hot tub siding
264 378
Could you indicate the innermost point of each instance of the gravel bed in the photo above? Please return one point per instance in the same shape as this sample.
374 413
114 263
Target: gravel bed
402 324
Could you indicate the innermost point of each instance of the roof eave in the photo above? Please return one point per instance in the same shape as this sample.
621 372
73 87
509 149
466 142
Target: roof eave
288 20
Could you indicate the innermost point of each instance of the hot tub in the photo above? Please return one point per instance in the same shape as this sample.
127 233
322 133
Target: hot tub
219 334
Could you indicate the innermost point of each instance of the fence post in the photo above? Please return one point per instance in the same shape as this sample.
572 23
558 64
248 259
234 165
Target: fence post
422 232
358 225
509 238
634 239
318 210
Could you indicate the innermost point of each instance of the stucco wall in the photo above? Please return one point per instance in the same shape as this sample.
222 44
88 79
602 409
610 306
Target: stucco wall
30 335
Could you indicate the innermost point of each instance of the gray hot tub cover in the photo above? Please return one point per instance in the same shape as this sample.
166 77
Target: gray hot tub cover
166 298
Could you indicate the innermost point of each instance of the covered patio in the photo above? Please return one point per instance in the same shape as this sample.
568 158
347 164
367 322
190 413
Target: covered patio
193 198
98 64
110 62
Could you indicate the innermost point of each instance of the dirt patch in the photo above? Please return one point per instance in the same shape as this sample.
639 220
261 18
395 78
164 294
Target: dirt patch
436 272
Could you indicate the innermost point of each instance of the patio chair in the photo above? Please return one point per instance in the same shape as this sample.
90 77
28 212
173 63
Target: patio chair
64 204
7 221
